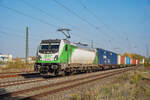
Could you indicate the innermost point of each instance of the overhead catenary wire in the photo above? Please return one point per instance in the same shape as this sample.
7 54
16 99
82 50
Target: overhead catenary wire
24 14
47 13
34 18
42 21
16 35
46 21
96 17
81 18
44 12
19 31
101 21
21 13
29 16
74 13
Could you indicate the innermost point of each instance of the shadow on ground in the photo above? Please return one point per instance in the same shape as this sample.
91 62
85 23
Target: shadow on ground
31 75
46 76
38 75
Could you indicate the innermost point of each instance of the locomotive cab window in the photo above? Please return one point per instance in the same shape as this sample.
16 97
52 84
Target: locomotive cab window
44 47
49 48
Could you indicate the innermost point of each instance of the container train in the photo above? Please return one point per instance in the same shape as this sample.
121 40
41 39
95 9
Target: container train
61 55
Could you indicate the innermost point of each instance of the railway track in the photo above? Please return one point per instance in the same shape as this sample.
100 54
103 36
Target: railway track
40 91
15 72
18 82
25 81
16 75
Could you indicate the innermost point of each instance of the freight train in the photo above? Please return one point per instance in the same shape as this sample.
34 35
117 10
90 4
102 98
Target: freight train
61 55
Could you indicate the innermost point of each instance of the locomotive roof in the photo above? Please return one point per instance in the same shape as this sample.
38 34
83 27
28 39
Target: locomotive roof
50 40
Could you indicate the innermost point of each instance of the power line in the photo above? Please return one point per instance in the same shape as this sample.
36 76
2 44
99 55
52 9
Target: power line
9 28
19 31
75 14
42 21
42 11
93 14
29 16
15 35
45 12
81 18
96 17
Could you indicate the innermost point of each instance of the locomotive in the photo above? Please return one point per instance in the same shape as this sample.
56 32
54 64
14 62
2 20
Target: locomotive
61 55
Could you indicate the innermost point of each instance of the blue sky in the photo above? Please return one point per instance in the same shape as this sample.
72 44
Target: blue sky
117 25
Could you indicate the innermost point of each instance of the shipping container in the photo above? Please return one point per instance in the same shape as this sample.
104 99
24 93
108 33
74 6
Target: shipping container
122 60
140 62
133 61
119 59
143 61
127 60
106 57
137 61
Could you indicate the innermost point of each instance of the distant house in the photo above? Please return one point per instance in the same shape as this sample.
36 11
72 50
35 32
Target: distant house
6 57
30 59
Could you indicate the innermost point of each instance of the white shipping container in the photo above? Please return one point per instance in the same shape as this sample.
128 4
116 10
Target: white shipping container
119 59
136 61
83 56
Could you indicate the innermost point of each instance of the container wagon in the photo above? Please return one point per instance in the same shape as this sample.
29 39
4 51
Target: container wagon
127 61
121 61
60 55
107 58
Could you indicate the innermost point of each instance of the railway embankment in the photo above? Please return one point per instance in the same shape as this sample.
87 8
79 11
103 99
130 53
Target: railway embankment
132 85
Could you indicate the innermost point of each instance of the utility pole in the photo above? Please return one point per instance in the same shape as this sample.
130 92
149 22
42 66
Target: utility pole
92 44
147 51
27 48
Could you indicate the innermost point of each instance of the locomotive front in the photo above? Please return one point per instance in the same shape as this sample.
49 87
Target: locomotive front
47 56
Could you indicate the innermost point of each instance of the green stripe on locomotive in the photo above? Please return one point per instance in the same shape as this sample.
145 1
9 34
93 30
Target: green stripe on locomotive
64 56
96 59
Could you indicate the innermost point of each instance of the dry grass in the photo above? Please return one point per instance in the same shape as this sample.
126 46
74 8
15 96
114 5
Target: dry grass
129 86
147 65
16 66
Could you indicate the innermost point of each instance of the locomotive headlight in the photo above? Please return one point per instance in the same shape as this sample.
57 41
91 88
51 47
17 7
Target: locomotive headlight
56 57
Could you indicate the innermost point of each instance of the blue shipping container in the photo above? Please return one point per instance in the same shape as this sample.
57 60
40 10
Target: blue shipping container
127 60
106 57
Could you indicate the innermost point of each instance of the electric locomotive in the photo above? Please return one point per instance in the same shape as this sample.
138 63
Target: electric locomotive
55 55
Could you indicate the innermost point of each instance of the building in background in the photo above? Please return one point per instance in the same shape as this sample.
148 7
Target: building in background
31 59
6 57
